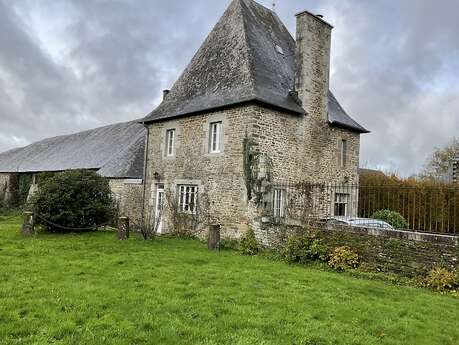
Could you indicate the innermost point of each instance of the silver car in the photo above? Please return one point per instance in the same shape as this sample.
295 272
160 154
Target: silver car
359 222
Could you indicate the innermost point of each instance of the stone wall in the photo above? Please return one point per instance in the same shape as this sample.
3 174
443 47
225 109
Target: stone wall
284 139
401 252
9 189
129 195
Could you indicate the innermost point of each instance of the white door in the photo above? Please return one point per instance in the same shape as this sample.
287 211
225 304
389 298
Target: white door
159 208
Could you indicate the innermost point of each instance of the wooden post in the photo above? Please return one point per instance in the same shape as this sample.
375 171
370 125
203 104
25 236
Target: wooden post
28 226
214 237
123 228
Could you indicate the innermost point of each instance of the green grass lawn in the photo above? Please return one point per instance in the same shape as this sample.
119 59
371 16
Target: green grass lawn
92 289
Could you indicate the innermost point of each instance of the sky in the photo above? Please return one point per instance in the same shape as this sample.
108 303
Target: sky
67 66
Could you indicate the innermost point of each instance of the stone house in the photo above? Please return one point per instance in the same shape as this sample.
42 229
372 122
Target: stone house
252 109
116 152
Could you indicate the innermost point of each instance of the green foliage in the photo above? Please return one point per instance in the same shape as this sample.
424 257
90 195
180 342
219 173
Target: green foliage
229 243
249 244
302 248
74 199
441 279
440 160
343 258
25 181
392 217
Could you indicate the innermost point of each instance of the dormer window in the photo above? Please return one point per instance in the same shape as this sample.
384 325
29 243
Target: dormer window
215 137
170 142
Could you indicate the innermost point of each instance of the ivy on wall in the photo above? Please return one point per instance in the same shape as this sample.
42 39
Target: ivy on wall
257 171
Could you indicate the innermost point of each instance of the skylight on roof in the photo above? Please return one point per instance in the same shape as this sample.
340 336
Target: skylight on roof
279 49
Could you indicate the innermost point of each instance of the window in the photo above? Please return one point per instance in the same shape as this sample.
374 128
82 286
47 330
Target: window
215 135
341 203
279 203
188 197
343 153
170 143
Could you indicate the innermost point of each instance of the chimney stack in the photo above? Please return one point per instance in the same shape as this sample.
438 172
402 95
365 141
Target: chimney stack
312 75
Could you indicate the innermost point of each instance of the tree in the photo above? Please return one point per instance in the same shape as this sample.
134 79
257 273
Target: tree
439 162
73 201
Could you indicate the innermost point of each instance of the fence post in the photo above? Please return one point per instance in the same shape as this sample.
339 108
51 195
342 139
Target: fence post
213 242
123 228
28 225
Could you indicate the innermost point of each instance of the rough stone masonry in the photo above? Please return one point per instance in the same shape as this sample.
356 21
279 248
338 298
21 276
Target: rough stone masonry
264 89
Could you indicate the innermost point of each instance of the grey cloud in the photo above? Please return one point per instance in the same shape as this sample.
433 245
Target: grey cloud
393 65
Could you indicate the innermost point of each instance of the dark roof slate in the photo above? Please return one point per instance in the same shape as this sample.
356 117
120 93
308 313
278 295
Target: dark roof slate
240 61
115 151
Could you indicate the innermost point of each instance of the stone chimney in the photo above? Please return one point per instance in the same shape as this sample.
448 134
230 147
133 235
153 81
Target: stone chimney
312 75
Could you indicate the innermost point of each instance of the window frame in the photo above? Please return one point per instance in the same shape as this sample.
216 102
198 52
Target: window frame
170 142
343 149
279 203
215 137
337 201
187 198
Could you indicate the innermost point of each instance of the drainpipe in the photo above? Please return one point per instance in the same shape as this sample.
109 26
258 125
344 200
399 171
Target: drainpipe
145 160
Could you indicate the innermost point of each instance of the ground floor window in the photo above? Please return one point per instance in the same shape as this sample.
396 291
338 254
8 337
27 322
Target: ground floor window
188 198
341 204
279 203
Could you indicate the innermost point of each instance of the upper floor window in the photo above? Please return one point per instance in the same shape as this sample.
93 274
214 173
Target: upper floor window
215 137
170 142
188 198
343 153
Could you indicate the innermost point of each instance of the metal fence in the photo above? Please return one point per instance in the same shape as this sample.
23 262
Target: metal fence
427 209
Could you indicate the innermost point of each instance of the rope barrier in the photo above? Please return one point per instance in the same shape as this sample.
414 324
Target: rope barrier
70 228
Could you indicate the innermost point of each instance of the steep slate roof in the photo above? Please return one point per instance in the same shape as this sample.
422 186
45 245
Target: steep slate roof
240 61
115 151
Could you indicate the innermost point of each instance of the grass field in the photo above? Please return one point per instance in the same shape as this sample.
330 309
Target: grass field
92 289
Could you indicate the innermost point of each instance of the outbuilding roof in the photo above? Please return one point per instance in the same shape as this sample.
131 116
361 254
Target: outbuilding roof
115 151
248 56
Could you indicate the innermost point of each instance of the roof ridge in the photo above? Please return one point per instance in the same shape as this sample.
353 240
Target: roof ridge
250 59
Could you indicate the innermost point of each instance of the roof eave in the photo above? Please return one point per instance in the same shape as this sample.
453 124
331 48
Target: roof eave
224 106
360 130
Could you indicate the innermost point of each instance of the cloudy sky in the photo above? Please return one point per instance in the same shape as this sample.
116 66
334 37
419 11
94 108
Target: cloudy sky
67 66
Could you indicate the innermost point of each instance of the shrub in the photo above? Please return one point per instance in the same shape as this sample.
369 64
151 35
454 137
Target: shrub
73 199
302 248
229 243
441 279
249 244
343 258
393 218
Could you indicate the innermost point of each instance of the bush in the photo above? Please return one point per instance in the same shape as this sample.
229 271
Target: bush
302 248
249 244
441 279
343 258
393 218
74 199
229 243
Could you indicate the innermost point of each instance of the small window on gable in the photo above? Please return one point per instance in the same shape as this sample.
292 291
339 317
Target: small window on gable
343 153
170 142
215 137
